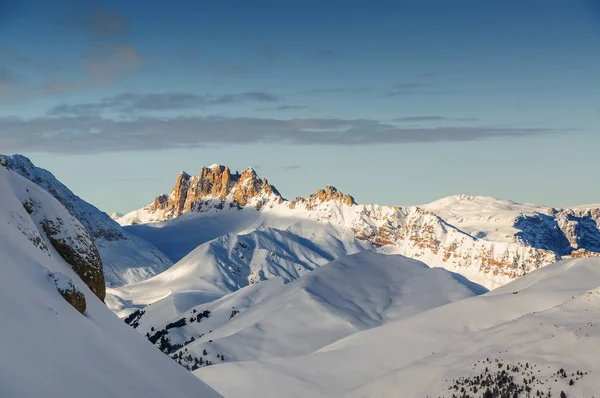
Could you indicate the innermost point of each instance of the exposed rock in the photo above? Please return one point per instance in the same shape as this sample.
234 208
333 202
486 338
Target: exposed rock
78 249
69 291
192 193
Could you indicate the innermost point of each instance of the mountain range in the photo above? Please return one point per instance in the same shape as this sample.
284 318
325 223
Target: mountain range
315 296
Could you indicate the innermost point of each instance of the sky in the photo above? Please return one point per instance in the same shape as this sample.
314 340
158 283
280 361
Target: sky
394 102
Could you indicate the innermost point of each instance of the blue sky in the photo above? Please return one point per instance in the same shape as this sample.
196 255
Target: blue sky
397 102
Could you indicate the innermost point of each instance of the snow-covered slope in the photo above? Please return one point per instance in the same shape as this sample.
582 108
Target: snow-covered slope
127 258
48 348
541 328
273 319
230 262
483 217
574 232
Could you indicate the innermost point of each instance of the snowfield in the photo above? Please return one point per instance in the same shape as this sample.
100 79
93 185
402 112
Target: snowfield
48 348
548 318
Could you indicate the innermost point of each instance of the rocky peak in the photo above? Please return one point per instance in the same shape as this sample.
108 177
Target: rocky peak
329 194
213 182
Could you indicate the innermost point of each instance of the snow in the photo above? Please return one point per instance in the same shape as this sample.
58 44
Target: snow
229 262
273 319
48 348
482 216
547 318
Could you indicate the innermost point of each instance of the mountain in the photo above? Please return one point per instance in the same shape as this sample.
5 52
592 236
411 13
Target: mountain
275 319
127 258
58 338
567 232
489 241
536 336
230 262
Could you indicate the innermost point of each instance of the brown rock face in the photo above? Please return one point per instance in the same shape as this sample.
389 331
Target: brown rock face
328 194
80 252
215 182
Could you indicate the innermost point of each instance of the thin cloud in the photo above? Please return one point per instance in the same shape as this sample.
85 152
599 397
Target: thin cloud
131 102
290 107
292 167
410 119
413 88
96 134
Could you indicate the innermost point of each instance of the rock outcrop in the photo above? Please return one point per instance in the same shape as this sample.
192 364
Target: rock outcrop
214 183
69 291
77 248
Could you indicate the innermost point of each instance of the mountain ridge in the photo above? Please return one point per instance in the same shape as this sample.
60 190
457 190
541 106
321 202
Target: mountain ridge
488 239
126 257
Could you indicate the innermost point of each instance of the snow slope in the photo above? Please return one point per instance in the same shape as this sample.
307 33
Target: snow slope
230 262
48 348
126 258
546 319
481 216
270 319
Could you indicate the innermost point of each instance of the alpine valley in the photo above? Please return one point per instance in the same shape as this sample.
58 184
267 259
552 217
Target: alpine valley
262 296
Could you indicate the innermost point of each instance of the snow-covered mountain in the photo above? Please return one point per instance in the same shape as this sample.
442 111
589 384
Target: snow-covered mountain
491 242
274 319
536 336
230 262
58 338
127 258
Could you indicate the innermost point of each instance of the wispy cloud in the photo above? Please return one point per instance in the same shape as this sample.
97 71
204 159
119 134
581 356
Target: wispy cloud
130 102
285 108
337 90
411 119
292 167
76 134
413 88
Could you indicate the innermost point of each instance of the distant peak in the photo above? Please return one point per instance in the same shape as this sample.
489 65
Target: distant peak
215 182
330 193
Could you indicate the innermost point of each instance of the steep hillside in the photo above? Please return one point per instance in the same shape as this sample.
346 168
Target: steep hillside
273 319
58 338
127 258
536 333
230 262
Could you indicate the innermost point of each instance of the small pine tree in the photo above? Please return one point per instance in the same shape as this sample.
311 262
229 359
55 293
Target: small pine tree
204 353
